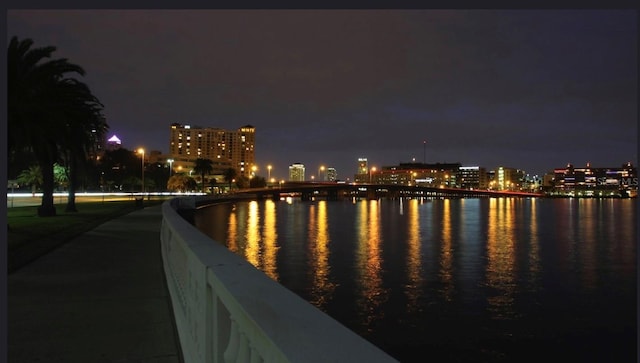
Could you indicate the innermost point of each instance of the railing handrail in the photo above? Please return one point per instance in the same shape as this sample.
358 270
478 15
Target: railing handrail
227 310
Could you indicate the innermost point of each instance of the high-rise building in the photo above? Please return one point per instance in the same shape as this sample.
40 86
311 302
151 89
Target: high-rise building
225 148
296 172
113 143
362 176
332 174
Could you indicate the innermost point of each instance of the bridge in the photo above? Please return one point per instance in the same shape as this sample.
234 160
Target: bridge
335 191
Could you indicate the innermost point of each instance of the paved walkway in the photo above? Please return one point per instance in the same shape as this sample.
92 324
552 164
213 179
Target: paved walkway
102 297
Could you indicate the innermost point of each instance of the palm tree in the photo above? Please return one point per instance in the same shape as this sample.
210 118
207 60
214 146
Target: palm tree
81 113
34 86
31 176
60 175
229 175
202 167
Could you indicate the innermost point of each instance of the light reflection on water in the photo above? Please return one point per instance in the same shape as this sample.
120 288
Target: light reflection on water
474 279
501 258
371 293
322 286
413 289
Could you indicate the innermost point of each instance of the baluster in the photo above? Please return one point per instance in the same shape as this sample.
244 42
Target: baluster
255 356
231 353
243 350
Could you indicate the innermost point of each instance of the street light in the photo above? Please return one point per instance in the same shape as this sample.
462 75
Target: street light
141 151
170 161
371 171
320 170
269 172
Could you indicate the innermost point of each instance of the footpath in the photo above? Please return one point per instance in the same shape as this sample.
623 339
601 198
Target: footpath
102 297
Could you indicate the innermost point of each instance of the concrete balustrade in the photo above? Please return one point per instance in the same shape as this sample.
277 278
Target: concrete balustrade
226 310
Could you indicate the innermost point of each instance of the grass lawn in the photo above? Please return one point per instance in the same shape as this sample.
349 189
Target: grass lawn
30 236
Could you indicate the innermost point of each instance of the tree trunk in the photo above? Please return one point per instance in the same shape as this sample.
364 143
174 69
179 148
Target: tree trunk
46 161
73 184
46 208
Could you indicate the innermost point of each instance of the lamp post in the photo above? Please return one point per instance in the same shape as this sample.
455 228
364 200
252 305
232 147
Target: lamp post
371 171
320 170
170 161
141 151
269 172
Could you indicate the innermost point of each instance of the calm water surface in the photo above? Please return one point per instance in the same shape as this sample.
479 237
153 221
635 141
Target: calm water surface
454 280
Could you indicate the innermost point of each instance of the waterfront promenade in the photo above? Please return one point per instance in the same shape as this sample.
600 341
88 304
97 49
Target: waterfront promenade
101 297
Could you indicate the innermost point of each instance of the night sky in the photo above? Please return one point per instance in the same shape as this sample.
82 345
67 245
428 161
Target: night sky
528 89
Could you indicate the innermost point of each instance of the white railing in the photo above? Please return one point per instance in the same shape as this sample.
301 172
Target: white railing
226 310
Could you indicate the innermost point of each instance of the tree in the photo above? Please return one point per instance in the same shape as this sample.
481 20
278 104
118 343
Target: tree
229 175
31 176
118 165
202 167
81 113
180 183
60 175
43 104
158 174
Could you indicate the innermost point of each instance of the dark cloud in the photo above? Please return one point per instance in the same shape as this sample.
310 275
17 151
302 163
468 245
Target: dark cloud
531 89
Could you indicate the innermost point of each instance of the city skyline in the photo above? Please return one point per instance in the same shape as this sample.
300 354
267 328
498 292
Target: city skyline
529 89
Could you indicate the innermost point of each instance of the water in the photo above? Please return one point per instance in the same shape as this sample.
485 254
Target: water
454 280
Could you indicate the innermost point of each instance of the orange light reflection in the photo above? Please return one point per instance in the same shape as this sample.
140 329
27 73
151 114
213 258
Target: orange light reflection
501 258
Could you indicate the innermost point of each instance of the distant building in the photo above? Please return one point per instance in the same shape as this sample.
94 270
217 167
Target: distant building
590 181
362 176
472 177
432 175
507 179
155 156
332 174
225 148
296 172
113 143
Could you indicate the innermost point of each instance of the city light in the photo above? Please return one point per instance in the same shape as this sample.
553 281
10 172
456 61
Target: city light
170 161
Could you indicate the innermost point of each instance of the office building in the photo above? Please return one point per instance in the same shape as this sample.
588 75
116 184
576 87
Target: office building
505 178
332 174
471 177
362 176
296 172
439 175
